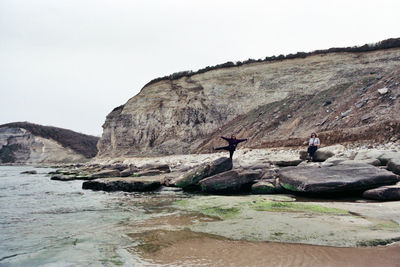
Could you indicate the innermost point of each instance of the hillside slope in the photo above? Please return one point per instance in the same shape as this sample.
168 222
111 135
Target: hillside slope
366 110
266 101
23 142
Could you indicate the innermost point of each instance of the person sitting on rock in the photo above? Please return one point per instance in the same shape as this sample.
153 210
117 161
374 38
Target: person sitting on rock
232 144
313 145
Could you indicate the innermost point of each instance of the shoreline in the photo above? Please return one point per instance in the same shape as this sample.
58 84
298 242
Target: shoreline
289 217
202 230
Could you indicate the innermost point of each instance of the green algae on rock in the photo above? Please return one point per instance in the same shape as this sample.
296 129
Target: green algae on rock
279 218
294 207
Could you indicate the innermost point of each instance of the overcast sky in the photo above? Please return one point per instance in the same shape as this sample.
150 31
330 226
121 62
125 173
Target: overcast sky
68 63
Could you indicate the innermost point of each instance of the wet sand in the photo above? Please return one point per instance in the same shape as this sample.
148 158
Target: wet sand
186 248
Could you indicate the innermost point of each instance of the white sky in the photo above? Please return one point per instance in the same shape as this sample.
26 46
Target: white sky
68 63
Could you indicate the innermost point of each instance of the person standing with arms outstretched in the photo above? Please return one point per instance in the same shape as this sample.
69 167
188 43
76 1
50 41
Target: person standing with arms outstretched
232 144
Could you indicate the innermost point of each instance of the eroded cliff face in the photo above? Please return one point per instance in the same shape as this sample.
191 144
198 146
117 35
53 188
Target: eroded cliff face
18 145
179 116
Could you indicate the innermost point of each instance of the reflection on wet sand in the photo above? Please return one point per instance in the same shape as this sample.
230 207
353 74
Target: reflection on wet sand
186 248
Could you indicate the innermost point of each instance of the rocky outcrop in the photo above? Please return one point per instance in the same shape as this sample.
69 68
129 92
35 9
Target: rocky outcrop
336 179
31 143
229 182
191 179
272 103
131 184
391 192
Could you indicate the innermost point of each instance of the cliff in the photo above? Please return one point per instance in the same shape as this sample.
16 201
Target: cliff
273 102
23 142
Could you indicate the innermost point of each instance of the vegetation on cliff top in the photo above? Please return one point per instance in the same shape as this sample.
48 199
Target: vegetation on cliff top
78 142
385 44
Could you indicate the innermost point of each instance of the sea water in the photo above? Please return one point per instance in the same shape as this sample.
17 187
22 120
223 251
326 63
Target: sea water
53 223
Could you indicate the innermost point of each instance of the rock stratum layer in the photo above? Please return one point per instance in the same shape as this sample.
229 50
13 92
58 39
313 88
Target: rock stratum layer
24 143
343 96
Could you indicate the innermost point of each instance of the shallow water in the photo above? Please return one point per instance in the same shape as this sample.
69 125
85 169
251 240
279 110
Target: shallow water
53 223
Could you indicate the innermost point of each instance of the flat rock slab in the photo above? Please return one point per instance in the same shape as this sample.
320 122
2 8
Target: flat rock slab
335 179
285 163
128 172
131 184
106 173
229 182
279 218
60 177
152 170
389 192
29 172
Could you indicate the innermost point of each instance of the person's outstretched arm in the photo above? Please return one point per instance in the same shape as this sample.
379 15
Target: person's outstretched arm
225 138
241 140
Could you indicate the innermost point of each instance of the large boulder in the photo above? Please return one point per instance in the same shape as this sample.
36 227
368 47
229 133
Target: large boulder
374 155
106 173
389 192
335 179
394 166
229 182
191 179
324 153
387 156
368 154
134 184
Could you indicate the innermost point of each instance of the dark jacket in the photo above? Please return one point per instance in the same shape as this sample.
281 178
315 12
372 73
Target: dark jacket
233 142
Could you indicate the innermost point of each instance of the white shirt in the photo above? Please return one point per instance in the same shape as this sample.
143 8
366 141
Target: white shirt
314 141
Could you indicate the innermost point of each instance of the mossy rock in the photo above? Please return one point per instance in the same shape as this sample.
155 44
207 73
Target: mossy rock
274 206
263 188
